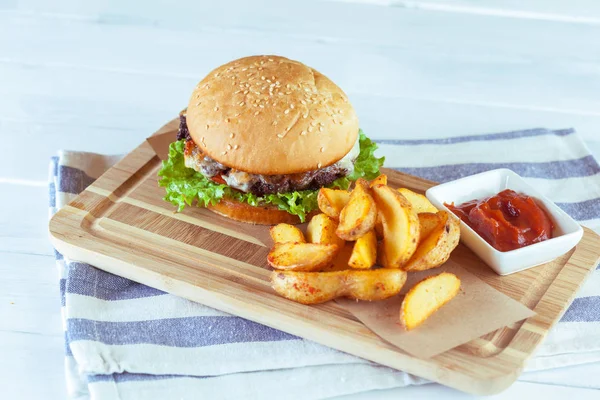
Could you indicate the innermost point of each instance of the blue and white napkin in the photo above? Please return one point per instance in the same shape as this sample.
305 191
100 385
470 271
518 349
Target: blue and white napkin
128 341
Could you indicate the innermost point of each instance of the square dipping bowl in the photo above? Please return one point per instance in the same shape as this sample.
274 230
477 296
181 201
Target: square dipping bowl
567 232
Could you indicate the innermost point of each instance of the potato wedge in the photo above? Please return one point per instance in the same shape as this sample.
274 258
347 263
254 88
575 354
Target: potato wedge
321 229
283 233
400 226
301 256
364 253
435 248
359 215
380 180
419 202
426 297
379 227
319 287
331 201
428 222
340 262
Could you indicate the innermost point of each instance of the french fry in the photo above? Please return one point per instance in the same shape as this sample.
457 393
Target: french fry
340 262
400 226
321 229
364 253
380 180
379 226
301 256
359 215
435 249
283 233
332 201
419 202
426 297
427 223
319 287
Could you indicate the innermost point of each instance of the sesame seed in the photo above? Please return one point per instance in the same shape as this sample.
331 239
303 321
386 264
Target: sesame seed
277 83
223 153
216 108
292 106
321 123
288 92
322 149
256 113
229 147
262 78
236 147
242 103
207 126
274 123
261 105
244 69
237 91
280 135
310 128
257 92
232 135
303 102
303 133
305 116
270 59
319 165
320 128
237 115
306 89
198 103
287 111
227 120
245 92
280 94
313 123
268 80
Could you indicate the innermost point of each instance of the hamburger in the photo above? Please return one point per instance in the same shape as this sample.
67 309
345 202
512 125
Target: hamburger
260 136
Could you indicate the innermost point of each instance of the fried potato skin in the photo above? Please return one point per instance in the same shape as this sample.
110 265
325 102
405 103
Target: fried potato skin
400 226
332 201
419 202
283 233
364 252
435 249
380 180
321 229
319 287
426 297
359 215
301 256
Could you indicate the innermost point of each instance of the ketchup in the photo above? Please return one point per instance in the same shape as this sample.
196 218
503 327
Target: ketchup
507 221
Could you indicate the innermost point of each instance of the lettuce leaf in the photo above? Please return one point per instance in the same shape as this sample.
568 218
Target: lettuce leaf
184 185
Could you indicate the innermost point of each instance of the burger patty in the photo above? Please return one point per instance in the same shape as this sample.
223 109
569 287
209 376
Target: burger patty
255 183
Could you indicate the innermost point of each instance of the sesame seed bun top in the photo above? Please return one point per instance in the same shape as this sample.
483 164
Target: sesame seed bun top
271 115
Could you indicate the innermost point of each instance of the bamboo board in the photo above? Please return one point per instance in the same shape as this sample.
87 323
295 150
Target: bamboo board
121 224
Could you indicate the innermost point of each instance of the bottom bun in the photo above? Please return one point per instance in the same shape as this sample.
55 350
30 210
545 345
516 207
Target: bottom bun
244 212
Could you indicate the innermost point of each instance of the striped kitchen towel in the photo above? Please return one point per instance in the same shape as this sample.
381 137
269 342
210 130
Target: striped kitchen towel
125 340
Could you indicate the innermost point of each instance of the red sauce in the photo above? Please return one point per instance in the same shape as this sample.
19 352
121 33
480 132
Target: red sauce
507 221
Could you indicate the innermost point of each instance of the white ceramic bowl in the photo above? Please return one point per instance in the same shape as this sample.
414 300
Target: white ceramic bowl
567 233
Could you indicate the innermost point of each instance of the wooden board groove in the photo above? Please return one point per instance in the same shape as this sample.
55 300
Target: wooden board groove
121 224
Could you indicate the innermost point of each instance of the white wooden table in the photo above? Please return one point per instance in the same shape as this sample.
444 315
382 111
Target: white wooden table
100 76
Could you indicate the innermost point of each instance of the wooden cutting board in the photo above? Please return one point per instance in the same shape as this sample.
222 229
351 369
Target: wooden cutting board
121 224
